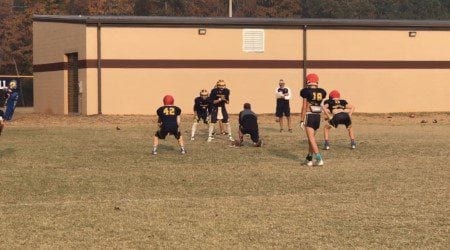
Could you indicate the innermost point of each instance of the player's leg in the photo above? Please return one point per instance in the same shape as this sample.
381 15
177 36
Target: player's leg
179 137
194 128
226 121
212 124
155 143
326 135
311 127
2 123
279 117
241 137
287 113
254 135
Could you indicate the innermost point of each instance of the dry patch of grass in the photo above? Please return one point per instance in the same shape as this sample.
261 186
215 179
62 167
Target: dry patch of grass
80 182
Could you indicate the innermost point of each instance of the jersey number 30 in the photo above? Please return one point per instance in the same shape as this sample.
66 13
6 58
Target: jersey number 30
169 111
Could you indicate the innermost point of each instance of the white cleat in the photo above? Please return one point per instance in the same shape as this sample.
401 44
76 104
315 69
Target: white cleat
154 152
210 139
192 138
309 163
318 163
230 138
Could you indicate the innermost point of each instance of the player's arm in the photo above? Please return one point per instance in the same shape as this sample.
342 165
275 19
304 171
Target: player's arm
350 109
304 108
287 96
159 122
326 111
178 121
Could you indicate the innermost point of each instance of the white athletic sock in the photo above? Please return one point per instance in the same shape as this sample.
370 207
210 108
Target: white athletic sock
211 129
194 129
229 129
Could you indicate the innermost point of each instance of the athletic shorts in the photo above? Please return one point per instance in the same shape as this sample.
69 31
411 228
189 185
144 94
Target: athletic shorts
341 118
312 121
163 132
202 116
283 110
254 134
214 114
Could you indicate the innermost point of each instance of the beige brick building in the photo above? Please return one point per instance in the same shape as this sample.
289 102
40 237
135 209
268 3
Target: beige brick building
125 65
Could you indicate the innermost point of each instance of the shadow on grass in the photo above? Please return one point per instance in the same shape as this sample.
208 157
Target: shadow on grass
280 153
6 151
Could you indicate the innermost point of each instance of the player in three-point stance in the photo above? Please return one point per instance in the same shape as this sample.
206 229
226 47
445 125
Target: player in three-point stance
283 95
202 108
219 97
338 111
169 123
248 124
310 117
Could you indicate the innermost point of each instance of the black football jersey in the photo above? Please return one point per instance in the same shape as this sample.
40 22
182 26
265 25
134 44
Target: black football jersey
216 93
168 116
314 96
336 104
201 106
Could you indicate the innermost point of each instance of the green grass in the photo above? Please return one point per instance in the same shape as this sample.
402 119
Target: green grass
79 182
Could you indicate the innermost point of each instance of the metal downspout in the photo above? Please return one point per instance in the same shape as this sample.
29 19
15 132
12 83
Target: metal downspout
99 67
305 54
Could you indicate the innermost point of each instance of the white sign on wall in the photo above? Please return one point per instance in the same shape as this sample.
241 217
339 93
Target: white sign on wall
253 40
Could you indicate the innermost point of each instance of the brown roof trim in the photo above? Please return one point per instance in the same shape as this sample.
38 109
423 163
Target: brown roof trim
246 64
245 22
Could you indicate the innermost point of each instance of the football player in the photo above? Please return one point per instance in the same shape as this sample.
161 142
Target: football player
338 111
248 124
202 107
169 123
219 98
283 95
4 94
310 117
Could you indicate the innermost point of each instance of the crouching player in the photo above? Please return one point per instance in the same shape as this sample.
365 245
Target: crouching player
169 123
202 106
248 124
338 111
310 118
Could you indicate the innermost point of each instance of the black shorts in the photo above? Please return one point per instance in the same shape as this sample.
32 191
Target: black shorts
313 121
341 118
286 110
254 133
202 116
214 113
163 132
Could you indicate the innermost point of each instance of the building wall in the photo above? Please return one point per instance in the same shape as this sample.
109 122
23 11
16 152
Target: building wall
132 90
362 64
385 89
51 42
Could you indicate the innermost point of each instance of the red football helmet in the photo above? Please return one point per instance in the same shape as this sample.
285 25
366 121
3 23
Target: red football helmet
168 100
312 79
335 94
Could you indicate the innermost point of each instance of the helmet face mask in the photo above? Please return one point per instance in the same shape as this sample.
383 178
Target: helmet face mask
204 94
221 84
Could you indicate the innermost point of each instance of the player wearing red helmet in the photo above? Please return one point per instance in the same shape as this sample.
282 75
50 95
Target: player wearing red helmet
310 117
338 111
168 123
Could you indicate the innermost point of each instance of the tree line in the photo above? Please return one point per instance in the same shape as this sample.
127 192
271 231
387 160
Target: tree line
16 15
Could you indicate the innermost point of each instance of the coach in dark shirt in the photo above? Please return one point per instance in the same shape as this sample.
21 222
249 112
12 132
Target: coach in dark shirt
248 124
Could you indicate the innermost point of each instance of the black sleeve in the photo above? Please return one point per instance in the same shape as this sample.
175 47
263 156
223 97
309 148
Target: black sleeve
159 112
240 118
177 111
304 93
196 105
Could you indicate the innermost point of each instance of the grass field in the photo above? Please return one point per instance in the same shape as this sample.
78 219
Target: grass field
80 182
